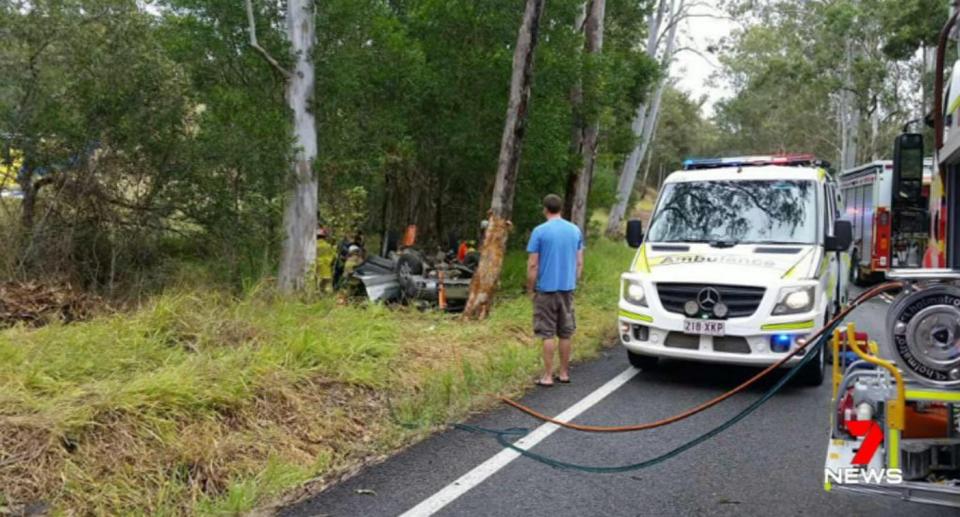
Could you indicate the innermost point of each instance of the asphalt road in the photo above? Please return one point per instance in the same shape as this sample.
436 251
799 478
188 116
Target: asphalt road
770 463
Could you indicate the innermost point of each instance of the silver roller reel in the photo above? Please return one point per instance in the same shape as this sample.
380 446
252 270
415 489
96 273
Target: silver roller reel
924 334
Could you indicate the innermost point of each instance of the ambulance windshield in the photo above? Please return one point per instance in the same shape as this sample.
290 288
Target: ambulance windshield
736 212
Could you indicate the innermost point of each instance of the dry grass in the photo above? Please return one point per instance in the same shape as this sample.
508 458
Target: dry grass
201 403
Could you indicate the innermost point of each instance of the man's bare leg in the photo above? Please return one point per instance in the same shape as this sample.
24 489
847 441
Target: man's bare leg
549 349
566 346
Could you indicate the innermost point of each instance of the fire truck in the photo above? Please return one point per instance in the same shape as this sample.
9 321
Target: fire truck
883 237
895 414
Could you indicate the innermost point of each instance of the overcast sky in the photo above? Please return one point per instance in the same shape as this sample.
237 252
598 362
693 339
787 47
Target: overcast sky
692 71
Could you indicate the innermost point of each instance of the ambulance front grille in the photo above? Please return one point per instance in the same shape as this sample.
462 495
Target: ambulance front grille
741 301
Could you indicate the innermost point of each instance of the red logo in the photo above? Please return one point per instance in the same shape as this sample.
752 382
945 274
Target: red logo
873 434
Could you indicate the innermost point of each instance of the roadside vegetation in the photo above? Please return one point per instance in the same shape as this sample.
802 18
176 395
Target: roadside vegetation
146 167
203 402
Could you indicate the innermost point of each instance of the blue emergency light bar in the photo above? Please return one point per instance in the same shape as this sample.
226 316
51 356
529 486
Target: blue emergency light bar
794 160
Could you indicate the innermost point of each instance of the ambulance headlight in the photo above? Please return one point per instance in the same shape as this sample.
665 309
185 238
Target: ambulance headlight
793 300
634 293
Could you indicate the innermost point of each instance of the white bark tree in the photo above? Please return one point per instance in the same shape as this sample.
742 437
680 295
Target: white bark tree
849 115
647 114
300 206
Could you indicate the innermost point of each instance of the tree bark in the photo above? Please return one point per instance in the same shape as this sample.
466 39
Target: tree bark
29 203
300 210
646 169
849 115
586 131
576 133
650 131
874 150
485 279
646 118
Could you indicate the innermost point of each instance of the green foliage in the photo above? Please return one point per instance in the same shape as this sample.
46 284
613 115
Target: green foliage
910 24
97 110
230 187
794 60
783 100
160 131
343 214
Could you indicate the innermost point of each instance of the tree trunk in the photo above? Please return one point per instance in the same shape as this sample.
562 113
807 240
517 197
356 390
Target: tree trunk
485 279
849 114
625 181
875 151
300 210
649 162
29 203
385 209
649 133
576 132
645 121
587 131
927 66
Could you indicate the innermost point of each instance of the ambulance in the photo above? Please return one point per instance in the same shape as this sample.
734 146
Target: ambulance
743 257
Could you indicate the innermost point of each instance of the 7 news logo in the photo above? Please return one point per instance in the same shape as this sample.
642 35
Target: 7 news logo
859 471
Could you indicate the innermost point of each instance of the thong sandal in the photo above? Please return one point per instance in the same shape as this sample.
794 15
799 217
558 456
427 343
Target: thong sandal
563 381
539 382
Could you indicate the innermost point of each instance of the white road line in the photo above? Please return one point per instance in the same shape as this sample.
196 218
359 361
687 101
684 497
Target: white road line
464 483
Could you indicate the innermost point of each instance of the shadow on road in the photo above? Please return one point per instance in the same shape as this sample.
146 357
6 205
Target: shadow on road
677 373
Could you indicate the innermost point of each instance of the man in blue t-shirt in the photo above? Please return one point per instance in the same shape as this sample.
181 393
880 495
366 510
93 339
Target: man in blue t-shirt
554 265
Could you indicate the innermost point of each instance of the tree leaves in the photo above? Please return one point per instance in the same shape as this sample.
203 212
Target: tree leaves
797 66
192 135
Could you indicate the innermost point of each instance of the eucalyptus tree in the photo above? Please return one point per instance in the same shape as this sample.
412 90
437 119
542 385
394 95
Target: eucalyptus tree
300 207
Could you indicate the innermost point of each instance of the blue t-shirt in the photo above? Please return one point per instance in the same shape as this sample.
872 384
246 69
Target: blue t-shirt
557 241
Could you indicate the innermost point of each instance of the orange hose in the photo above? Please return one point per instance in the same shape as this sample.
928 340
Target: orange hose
888 286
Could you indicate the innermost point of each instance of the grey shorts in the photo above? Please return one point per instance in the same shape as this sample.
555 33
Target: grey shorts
553 315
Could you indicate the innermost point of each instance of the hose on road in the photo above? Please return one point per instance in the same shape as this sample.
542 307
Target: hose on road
814 344
818 336
503 436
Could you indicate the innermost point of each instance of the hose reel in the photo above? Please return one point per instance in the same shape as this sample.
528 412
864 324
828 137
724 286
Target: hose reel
923 327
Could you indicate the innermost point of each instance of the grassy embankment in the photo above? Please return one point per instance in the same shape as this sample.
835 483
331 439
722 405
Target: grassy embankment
204 403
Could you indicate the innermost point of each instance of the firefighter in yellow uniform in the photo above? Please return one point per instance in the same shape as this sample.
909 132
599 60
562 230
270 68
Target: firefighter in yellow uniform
323 267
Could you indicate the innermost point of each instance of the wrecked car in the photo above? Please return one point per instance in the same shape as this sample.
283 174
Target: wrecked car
413 277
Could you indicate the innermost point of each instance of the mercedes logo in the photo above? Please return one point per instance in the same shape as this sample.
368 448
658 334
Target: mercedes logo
708 298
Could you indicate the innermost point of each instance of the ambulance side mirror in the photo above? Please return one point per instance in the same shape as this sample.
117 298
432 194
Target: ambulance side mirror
634 233
842 237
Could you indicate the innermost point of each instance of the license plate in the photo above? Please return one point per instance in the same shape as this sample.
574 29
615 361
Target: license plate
707 327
